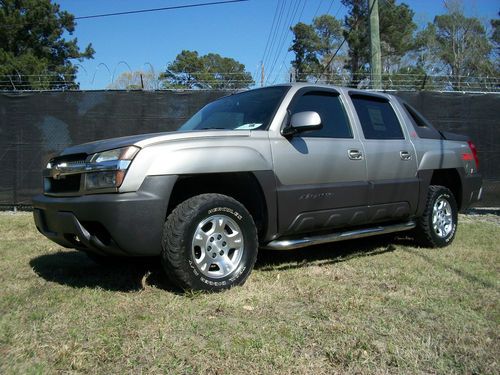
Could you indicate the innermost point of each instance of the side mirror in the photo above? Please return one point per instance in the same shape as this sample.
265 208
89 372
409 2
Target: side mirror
302 121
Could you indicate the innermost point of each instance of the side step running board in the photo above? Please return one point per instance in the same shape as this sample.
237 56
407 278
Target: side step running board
296 243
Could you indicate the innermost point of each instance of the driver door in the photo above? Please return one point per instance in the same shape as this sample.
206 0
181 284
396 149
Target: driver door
321 174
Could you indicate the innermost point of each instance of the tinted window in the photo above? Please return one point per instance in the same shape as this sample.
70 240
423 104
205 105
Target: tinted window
415 117
331 111
423 128
377 118
250 110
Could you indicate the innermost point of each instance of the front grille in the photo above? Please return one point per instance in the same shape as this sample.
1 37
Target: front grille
66 184
69 184
75 159
75 163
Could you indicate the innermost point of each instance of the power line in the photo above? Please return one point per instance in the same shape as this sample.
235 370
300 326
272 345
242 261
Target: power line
159 9
270 31
268 39
317 9
283 40
341 44
288 50
338 10
287 22
330 7
274 34
291 43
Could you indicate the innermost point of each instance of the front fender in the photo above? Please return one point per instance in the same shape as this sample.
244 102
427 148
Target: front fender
182 159
216 159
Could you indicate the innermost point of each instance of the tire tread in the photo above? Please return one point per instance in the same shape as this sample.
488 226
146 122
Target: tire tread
173 240
424 233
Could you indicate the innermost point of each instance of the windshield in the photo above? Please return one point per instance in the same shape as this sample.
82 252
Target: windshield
249 110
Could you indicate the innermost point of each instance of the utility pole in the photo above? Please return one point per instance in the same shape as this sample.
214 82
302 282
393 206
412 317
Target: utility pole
375 55
262 74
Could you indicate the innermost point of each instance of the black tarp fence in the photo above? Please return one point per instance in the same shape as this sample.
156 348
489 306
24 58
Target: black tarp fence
34 126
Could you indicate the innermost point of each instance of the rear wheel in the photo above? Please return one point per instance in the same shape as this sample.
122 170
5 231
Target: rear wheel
209 243
438 224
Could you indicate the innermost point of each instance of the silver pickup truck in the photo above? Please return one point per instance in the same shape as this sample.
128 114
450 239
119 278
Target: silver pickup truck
280 167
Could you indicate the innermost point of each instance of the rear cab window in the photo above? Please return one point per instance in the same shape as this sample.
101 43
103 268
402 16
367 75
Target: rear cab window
423 128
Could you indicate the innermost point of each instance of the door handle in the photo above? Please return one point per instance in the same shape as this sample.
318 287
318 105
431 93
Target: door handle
405 155
354 154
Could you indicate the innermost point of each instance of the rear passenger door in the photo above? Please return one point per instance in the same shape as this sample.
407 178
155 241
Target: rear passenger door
390 156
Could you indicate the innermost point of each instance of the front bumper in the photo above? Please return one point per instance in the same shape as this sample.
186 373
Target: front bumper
111 224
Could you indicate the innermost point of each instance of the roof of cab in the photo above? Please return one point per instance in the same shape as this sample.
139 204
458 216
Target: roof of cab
346 90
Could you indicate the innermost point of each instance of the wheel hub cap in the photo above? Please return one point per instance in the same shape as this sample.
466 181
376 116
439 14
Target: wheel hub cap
217 246
442 219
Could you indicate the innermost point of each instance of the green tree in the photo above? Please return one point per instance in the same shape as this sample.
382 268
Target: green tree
356 35
495 39
33 52
210 71
457 46
407 78
305 45
314 45
396 36
137 80
331 58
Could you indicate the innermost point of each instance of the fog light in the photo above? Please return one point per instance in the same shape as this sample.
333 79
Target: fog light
101 180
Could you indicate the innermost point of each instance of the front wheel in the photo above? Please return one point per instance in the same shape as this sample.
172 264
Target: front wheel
438 224
209 243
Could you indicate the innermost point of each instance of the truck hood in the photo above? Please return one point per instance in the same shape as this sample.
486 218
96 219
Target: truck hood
144 140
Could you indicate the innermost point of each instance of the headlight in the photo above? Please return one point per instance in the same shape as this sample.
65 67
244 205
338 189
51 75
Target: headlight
125 153
107 169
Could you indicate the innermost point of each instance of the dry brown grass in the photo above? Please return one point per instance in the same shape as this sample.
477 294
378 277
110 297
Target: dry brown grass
373 306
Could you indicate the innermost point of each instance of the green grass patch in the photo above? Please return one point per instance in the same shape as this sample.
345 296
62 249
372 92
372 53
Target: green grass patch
378 305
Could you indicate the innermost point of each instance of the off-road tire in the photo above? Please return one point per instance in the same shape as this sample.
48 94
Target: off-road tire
180 256
426 233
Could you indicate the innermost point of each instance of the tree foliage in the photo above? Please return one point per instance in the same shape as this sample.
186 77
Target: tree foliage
495 39
210 71
329 31
356 35
396 35
305 45
457 46
138 80
33 52
314 45
452 49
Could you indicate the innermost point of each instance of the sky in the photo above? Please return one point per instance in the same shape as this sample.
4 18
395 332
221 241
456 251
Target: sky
242 30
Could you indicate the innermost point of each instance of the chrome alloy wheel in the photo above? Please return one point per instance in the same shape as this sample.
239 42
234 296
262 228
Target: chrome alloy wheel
442 219
217 246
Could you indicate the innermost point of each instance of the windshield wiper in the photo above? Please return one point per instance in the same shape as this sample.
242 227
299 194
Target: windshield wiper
213 128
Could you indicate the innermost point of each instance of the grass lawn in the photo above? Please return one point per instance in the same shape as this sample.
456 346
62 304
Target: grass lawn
368 306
